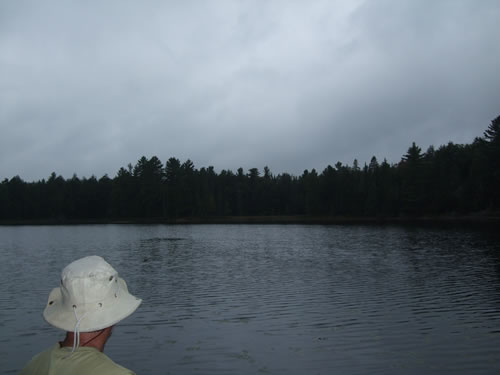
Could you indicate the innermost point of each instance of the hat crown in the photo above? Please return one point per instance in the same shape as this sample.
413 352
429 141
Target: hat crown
88 280
91 297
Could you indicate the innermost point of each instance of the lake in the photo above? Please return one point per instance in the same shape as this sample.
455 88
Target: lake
271 299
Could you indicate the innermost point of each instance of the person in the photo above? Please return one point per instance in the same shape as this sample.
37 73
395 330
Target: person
91 299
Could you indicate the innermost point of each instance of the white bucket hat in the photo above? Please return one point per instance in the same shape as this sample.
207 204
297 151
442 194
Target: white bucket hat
91 297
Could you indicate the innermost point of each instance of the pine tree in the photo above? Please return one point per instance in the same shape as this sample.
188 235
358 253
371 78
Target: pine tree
412 180
492 134
492 137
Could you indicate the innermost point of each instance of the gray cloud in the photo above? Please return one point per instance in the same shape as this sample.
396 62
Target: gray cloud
87 87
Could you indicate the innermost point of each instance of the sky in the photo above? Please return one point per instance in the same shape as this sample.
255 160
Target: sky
87 87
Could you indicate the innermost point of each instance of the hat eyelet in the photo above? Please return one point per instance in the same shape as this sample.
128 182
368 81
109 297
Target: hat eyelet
51 302
100 304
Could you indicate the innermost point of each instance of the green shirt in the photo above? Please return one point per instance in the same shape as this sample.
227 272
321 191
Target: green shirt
85 360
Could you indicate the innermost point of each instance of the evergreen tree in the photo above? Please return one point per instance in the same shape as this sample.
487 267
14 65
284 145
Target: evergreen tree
492 133
148 174
124 194
451 179
187 196
371 186
492 137
411 168
173 190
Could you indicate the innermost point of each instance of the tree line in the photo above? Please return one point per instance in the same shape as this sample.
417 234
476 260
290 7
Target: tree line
452 179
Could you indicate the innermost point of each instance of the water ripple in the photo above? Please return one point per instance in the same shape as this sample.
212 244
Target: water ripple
273 299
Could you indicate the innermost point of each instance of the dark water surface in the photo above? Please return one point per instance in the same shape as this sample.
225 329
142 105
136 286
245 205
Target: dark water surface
271 299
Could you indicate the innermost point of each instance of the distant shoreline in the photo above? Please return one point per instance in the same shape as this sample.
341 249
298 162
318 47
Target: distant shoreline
296 219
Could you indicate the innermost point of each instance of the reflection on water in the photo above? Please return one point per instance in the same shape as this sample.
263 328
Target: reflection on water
291 299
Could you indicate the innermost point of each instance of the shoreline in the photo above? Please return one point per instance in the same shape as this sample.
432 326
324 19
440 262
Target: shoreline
474 219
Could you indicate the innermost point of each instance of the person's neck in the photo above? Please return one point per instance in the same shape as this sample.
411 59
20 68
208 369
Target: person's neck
95 339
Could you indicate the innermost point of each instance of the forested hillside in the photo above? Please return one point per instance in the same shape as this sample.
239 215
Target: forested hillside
452 179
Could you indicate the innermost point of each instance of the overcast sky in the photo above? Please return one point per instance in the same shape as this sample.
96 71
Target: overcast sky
87 87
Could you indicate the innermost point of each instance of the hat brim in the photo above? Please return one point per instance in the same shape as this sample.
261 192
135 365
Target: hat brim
98 317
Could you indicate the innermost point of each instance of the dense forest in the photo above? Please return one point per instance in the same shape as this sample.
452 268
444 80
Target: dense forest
454 179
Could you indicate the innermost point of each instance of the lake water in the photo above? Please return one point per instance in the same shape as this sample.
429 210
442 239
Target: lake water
271 299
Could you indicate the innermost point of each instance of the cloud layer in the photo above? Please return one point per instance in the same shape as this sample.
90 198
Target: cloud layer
87 87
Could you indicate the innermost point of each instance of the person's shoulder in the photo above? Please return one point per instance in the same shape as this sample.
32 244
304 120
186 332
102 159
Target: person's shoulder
84 360
39 361
105 365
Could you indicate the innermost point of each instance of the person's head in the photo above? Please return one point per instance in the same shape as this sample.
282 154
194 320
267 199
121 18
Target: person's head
91 297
